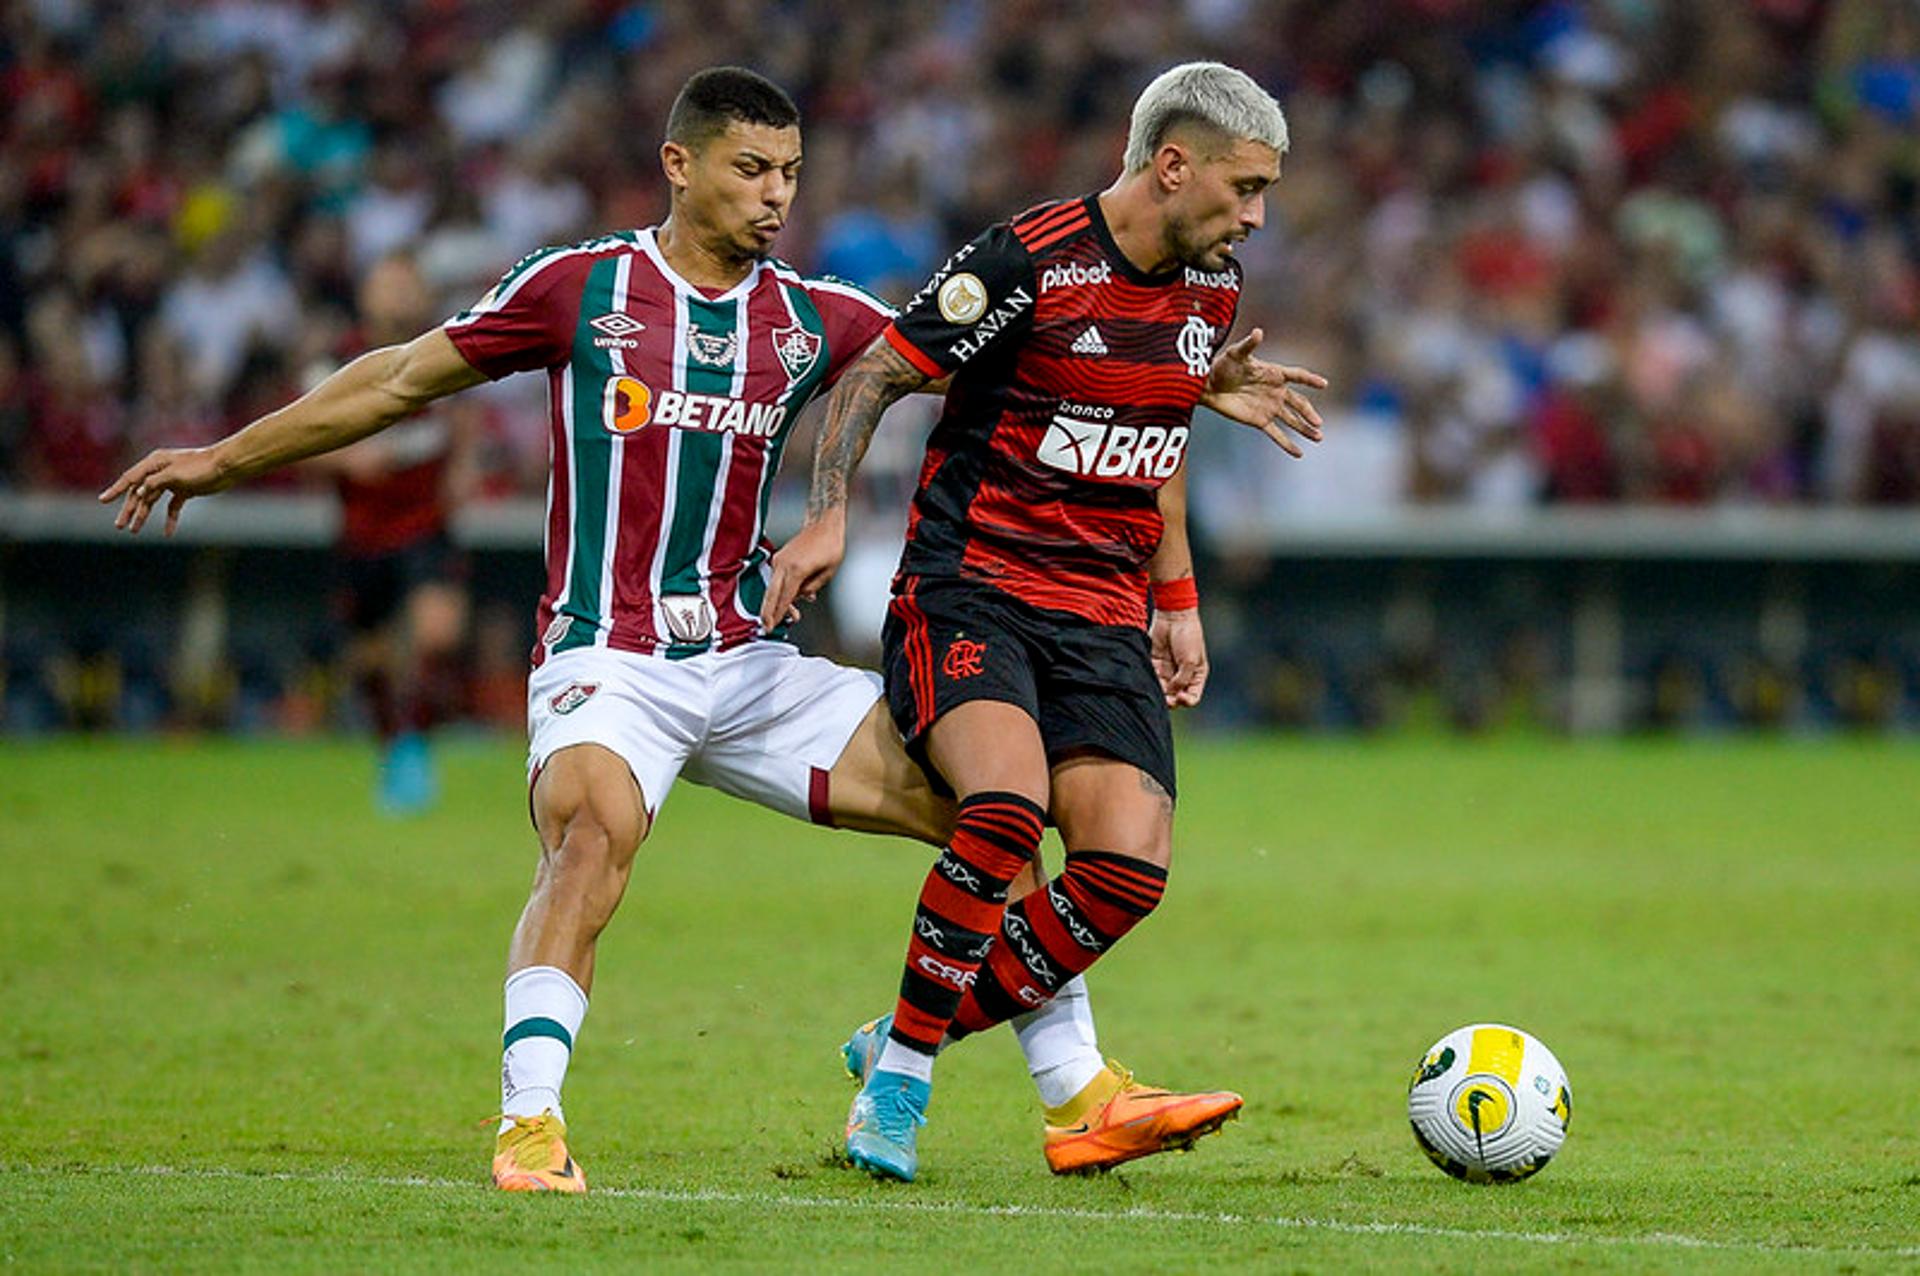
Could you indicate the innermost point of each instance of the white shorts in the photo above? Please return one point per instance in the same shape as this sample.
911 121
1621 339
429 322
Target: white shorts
761 721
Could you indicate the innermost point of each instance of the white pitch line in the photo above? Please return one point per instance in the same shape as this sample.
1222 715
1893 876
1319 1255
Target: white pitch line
1141 1214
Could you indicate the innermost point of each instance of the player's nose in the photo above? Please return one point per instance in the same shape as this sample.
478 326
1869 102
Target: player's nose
1253 214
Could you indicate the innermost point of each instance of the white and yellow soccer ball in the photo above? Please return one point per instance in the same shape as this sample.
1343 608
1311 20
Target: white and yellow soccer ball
1489 1104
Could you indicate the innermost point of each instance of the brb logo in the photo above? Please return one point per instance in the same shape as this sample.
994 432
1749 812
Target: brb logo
1104 450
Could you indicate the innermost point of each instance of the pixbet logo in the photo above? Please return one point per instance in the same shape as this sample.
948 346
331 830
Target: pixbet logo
1073 275
1096 449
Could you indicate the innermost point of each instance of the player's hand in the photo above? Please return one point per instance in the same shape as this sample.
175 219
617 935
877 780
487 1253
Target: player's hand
803 566
1264 395
1179 656
179 473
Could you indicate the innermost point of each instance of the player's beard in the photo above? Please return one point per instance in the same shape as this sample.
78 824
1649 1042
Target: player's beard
1194 250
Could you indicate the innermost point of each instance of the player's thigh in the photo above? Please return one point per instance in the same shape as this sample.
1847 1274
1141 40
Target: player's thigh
591 786
1108 733
791 732
875 787
985 746
962 690
1102 803
590 705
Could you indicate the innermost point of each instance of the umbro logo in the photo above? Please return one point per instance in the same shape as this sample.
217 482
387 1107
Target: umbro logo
1089 342
617 331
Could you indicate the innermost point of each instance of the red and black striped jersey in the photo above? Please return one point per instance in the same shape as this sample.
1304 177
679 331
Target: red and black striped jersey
1075 376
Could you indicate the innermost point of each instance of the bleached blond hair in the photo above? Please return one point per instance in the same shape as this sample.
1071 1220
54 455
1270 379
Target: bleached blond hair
1209 93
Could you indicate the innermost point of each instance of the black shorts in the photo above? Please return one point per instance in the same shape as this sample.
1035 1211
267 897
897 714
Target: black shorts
1089 686
373 587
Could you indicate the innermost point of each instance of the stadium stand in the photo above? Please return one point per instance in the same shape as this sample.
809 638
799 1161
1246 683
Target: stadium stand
1569 253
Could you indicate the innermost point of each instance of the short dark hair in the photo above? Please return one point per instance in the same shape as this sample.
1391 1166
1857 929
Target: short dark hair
721 95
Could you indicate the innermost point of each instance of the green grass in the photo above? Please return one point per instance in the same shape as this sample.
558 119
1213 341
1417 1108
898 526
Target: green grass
250 1024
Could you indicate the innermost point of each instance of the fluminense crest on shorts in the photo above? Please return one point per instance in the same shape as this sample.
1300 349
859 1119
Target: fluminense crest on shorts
715 348
575 695
797 349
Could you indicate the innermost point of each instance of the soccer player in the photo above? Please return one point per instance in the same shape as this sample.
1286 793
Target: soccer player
403 589
677 358
1020 648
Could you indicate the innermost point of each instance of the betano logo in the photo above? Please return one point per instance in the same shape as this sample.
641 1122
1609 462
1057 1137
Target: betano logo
1096 449
631 403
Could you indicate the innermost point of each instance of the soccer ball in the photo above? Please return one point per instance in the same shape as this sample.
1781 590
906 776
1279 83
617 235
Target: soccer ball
1489 1104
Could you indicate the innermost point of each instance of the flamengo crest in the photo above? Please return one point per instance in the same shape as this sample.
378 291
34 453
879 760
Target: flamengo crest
797 349
717 349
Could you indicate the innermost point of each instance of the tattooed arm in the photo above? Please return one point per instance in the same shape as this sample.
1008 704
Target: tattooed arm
802 567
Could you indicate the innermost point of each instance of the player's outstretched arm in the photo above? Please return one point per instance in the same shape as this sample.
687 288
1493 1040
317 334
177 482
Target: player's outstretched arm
802 567
1264 395
1179 643
369 394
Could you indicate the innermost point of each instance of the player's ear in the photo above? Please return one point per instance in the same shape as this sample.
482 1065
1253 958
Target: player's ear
675 160
1172 166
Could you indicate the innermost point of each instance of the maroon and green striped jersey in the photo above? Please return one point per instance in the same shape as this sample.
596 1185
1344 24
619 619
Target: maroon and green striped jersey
670 408
1075 376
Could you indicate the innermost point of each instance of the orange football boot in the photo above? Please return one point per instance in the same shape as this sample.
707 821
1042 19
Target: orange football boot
531 1156
1115 1119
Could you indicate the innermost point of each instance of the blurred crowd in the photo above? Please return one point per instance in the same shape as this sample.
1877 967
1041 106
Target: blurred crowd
1572 251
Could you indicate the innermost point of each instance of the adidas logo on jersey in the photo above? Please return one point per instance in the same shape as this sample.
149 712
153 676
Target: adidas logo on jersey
1074 275
1089 342
1097 449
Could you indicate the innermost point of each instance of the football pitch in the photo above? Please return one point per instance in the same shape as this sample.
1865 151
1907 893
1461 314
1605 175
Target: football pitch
251 1024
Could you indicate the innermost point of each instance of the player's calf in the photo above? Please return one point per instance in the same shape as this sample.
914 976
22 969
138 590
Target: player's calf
1055 933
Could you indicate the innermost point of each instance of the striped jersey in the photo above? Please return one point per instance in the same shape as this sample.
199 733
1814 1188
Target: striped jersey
669 410
1075 376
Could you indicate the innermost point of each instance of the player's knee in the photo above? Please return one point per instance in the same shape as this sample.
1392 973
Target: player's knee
589 811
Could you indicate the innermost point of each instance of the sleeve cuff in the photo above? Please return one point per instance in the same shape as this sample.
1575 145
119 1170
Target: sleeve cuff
912 353
472 348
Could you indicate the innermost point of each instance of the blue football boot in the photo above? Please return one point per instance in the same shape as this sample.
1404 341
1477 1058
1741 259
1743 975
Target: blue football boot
884 1122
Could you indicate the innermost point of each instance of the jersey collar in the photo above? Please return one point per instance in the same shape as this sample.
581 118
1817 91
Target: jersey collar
651 247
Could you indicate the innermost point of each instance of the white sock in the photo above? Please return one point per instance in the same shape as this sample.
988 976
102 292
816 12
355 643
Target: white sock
895 1057
544 1010
1063 1054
